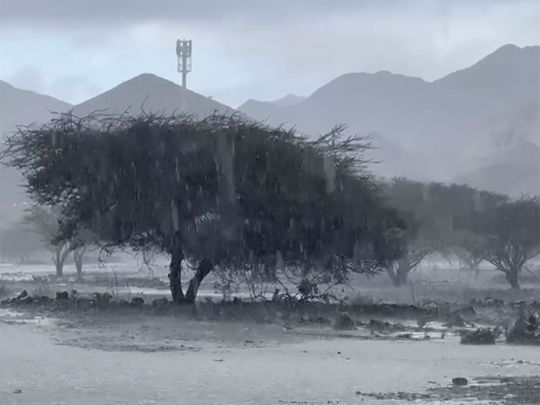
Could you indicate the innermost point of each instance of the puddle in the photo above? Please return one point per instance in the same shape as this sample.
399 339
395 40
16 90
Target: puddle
12 317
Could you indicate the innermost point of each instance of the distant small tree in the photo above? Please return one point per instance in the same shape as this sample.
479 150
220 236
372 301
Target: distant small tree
46 222
430 211
425 224
470 248
511 233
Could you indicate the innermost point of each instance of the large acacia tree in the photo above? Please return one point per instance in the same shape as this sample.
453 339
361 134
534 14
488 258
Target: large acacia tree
218 191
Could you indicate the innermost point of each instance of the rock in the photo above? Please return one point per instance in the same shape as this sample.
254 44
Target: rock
526 330
454 320
159 302
479 337
63 295
17 391
375 324
102 300
461 381
345 321
43 300
27 300
137 301
22 295
84 304
467 312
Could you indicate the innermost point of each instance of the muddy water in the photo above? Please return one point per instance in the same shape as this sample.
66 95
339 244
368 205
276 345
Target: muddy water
34 360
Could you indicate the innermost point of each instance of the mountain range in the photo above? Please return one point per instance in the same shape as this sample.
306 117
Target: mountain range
479 125
467 126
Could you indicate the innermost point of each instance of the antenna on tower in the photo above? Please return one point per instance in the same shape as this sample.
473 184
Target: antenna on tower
183 52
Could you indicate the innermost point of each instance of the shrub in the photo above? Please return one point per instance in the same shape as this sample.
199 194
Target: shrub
525 331
479 337
345 321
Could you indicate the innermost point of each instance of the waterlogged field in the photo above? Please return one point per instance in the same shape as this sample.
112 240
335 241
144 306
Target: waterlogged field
140 358
162 361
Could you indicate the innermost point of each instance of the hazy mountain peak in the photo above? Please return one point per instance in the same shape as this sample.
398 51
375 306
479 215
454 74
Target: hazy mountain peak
149 79
509 53
507 60
457 124
289 100
152 93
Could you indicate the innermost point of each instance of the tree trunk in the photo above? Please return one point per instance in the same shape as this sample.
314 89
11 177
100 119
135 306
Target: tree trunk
399 274
59 269
512 276
79 265
61 252
175 276
78 255
205 266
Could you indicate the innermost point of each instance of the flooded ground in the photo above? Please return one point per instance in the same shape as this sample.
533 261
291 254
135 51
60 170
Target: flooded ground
149 360
141 358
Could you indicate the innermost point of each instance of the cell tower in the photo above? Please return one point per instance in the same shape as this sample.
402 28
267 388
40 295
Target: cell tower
183 52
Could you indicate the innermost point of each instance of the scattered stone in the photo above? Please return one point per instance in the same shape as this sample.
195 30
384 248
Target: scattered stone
237 300
381 326
22 295
43 300
62 295
160 302
479 337
137 301
84 304
454 320
345 321
316 320
460 381
27 300
467 312
526 330
102 300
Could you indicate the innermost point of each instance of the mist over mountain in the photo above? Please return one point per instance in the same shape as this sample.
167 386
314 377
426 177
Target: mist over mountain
20 107
443 129
23 107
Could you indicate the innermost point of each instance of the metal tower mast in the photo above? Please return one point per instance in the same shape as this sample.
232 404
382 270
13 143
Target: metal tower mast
183 52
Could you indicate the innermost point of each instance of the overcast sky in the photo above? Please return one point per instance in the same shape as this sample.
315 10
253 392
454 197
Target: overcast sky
75 49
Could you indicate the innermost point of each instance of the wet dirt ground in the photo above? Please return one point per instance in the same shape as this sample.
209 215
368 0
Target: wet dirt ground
143 359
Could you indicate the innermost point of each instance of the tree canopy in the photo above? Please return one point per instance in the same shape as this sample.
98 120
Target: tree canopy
430 211
220 190
508 234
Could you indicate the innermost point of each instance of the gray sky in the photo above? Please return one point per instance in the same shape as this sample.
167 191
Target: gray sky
75 49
